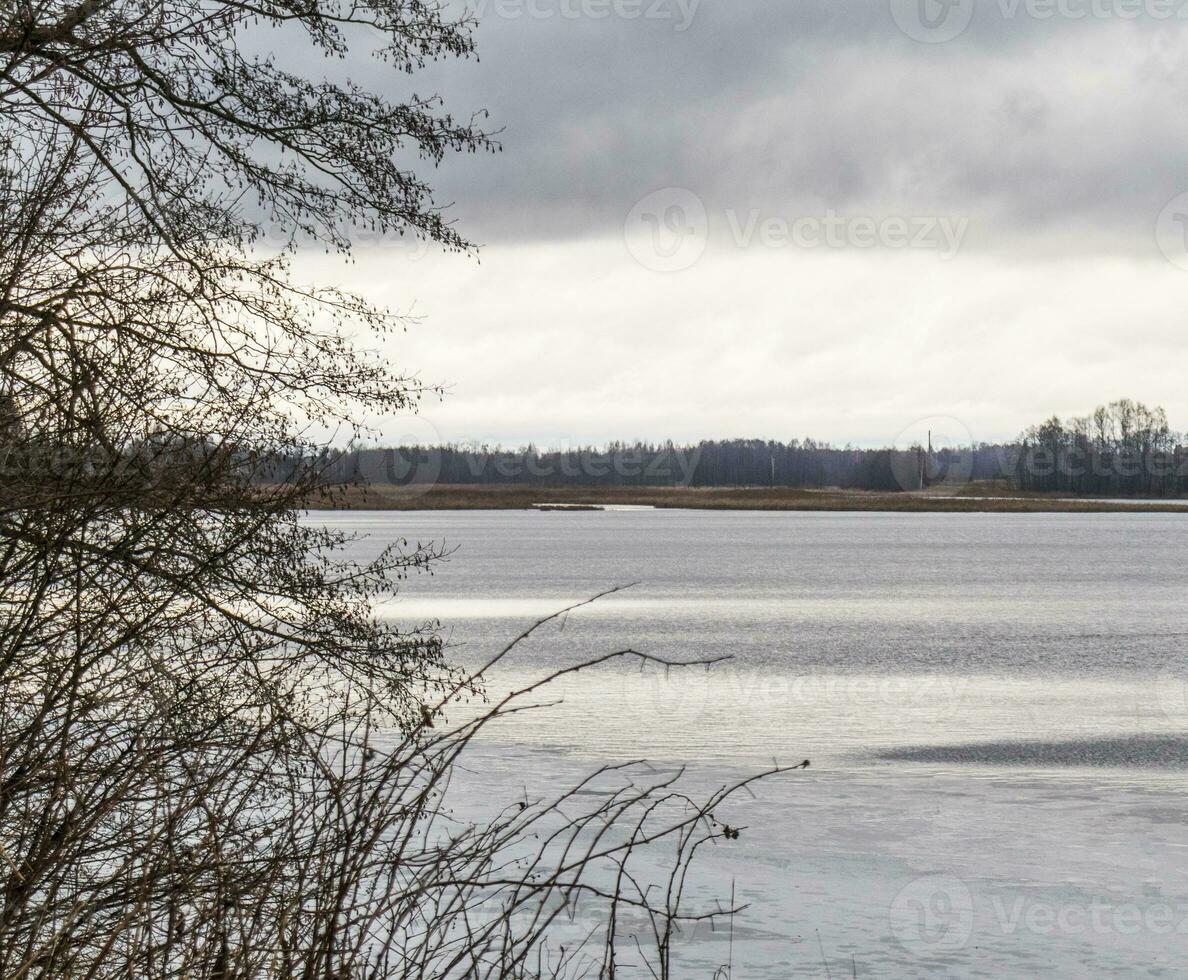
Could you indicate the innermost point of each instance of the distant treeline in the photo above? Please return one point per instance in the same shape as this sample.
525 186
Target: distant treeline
1122 448
734 462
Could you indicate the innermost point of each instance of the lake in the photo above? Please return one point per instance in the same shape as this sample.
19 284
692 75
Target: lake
994 705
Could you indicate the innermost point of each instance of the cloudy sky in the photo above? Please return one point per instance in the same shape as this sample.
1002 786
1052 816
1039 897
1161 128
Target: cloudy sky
780 218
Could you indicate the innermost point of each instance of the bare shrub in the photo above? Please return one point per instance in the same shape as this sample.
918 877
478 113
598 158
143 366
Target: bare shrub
216 761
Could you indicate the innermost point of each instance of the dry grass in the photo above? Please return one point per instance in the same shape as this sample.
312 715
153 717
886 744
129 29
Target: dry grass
508 497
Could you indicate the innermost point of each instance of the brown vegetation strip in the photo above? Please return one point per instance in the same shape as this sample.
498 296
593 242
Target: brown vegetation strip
506 497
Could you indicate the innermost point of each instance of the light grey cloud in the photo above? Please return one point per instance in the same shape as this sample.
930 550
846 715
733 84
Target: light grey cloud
573 342
1044 149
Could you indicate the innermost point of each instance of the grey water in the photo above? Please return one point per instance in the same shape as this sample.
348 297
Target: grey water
995 707
848 634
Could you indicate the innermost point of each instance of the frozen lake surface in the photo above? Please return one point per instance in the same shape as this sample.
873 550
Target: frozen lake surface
995 707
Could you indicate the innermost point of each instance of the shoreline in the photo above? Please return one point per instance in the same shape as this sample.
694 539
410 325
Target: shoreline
969 498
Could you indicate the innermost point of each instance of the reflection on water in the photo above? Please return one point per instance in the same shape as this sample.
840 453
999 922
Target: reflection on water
1136 752
840 720
848 633
993 656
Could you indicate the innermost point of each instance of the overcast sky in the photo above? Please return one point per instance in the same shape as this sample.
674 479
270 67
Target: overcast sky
780 218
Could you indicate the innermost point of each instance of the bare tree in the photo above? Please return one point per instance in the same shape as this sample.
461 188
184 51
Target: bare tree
1121 448
215 760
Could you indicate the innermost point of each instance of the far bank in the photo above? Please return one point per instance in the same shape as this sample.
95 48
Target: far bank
969 498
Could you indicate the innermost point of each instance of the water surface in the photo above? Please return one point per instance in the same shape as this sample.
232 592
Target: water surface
994 706
848 633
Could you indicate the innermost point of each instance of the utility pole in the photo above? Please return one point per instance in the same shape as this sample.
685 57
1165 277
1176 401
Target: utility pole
927 468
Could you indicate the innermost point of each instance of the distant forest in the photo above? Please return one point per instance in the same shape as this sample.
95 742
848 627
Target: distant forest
1123 448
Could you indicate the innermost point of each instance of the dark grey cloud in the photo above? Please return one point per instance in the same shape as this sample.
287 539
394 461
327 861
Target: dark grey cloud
1031 122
